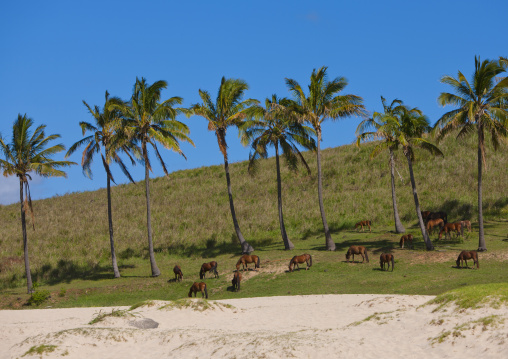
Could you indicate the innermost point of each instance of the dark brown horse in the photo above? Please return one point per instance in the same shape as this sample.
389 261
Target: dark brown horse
406 238
211 266
434 215
246 259
237 278
363 223
425 214
464 256
361 250
450 227
178 273
431 223
296 260
198 287
466 224
386 258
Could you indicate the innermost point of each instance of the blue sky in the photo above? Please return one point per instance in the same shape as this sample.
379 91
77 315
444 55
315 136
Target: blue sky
55 54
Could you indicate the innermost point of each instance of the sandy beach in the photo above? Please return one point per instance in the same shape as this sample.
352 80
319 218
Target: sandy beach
316 326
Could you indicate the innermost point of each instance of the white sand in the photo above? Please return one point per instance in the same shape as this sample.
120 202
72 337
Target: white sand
317 326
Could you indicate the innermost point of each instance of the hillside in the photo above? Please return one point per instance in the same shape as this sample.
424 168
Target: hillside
190 210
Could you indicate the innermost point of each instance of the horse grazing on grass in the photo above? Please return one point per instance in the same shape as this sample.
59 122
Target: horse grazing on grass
363 223
178 273
246 259
466 224
431 223
304 258
386 258
361 250
237 278
451 227
211 266
406 238
465 255
198 287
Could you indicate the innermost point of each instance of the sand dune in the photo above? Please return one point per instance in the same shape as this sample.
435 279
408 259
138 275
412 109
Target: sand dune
327 326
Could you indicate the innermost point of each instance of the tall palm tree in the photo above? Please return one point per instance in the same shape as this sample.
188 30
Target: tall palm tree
413 125
322 102
227 111
386 130
482 107
276 125
28 153
148 121
108 139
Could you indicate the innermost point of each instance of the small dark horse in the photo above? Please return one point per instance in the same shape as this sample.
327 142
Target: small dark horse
363 223
406 238
211 266
464 256
386 258
246 259
361 250
304 258
237 278
178 273
434 215
198 287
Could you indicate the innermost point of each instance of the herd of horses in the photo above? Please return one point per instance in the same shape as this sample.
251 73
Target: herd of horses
432 220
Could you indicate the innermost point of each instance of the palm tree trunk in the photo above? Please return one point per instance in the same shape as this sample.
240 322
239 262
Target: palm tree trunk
426 239
155 270
399 228
287 243
25 242
246 247
330 244
481 236
111 241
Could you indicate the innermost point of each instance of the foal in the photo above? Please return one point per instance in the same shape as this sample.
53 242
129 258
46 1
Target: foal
386 258
361 250
198 287
363 223
237 278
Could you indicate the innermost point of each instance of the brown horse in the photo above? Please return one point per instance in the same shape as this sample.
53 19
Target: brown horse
425 214
450 227
357 250
304 258
386 258
431 223
237 278
406 238
178 273
363 223
466 224
246 259
436 215
198 287
464 256
211 266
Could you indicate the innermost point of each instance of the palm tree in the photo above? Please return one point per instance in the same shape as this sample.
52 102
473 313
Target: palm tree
482 107
108 139
412 127
323 102
28 153
275 125
386 130
147 121
226 112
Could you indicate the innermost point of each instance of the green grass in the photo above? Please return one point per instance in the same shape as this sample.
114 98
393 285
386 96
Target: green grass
40 349
492 294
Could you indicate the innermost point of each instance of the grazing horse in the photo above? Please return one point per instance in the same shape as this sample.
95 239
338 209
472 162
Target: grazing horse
246 259
237 278
178 273
407 238
386 258
361 250
466 224
465 255
211 266
363 223
198 287
304 258
450 227
431 223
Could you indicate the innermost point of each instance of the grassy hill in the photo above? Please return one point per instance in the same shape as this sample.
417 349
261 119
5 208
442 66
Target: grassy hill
191 218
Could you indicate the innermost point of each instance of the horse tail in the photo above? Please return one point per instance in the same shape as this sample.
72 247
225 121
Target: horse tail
310 260
366 255
393 262
258 262
206 292
401 242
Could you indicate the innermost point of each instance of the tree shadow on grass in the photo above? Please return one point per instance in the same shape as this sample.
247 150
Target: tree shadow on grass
371 245
66 271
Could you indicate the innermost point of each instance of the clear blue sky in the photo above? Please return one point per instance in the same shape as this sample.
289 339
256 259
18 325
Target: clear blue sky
54 54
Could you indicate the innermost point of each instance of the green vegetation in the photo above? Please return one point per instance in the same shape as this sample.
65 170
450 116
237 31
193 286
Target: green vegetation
199 305
41 349
493 294
115 313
